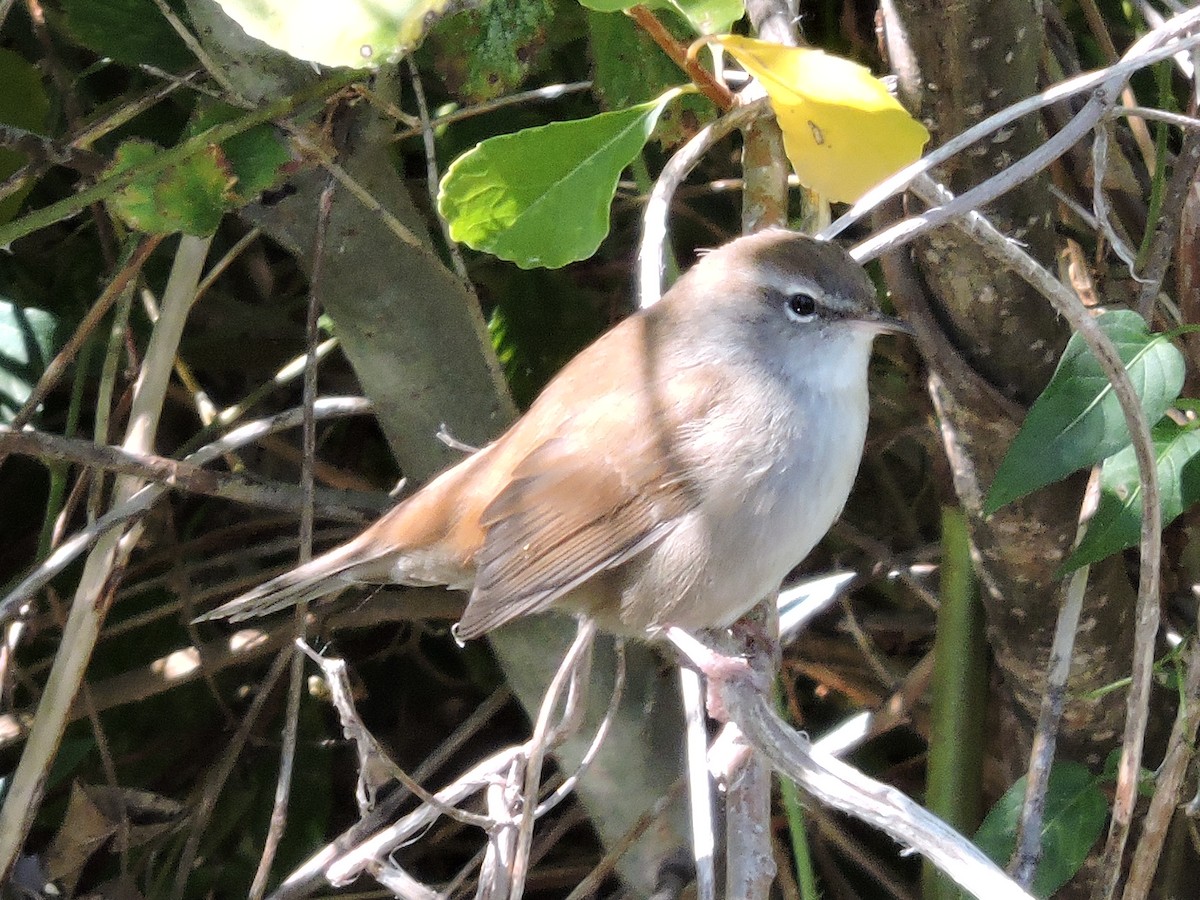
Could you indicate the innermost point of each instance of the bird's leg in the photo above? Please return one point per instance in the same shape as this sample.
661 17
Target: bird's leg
720 666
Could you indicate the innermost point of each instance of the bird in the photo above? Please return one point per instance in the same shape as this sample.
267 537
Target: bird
671 474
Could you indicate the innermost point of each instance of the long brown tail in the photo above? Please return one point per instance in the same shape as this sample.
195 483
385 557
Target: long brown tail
314 579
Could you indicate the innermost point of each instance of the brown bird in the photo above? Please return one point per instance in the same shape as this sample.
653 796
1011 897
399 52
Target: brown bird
671 474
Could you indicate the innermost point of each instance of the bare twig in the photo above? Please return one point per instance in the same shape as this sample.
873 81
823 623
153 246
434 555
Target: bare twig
654 219
141 501
129 270
549 92
310 877
189 477
841 786
220 774
1150 575
574 669
1180 751
1045 737
1166 229
1159 44
215 72
287 750
700 800
432 178
95 589
701 77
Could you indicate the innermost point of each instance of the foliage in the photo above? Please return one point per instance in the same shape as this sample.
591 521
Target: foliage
132 137
1076 811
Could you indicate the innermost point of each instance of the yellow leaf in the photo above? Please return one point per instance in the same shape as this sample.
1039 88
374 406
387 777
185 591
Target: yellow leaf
843 132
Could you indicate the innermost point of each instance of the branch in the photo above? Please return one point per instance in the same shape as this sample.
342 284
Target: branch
843 787
341 506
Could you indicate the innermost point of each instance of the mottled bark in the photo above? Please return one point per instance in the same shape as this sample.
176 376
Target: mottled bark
998 342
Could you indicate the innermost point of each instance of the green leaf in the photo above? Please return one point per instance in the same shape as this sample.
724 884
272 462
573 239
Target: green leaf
190 197
1117 523
23 103
258 157
1077 421
355 33
709 16
1074 817
132 32
484 53
706 16
609 6
26 344
628 68
541 197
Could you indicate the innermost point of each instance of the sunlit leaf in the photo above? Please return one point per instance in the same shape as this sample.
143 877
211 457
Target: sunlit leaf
259 157
1117 523
190 197
706 16
26 344
354 33
555 211
1077 421
1073 818
842 130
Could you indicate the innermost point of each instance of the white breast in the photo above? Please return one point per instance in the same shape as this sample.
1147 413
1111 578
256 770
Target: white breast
767 499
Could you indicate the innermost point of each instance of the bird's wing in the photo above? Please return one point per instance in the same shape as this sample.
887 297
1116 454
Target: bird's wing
576 507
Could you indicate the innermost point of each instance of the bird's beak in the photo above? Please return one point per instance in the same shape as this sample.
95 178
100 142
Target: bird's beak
881 322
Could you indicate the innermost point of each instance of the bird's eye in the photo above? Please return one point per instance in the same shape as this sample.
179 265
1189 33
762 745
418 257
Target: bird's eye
801 307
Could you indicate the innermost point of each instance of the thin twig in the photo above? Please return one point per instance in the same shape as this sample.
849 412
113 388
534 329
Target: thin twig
843 787
432 178
189 477
1158 115
549 92
1045 736
220 774
137 504
129 270
1166 229
654 219
101 190
96 585
1083 323
575 665
701 77
310 876
700 800
215 72
308 430
1180 751
1145 52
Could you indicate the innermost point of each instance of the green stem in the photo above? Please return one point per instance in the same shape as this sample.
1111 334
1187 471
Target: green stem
106 187
959 697
1162 74
793 811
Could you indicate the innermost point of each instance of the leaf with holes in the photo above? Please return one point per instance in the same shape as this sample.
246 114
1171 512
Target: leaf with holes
190 197
842 130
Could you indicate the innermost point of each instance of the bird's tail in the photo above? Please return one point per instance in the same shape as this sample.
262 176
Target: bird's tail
326 574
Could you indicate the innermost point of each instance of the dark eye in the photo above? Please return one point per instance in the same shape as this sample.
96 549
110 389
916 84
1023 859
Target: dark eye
801 307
